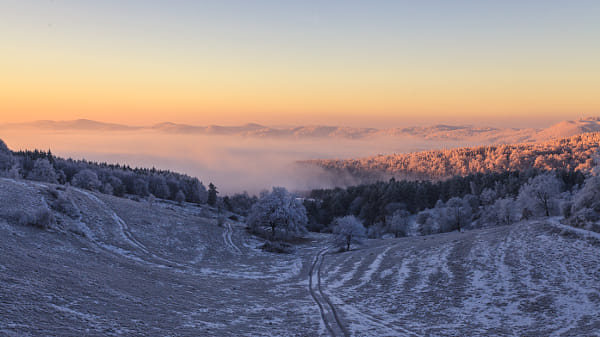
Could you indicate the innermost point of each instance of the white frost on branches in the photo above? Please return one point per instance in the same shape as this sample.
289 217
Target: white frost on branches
348 230
279 211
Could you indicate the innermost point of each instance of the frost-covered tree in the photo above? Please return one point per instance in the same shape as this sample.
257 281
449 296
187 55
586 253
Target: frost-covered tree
585 208
458 213
15 172
241 203
87 179
569 153
107 189
116 184
399 223
540 194
428 222
589 196
348 230
140 187
180 197
43 171
280 211
158 187
6 158
488 196
504 211
376 230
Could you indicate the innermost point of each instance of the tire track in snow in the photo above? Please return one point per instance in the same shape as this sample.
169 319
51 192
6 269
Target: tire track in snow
227 233
371 317
324 303
129 237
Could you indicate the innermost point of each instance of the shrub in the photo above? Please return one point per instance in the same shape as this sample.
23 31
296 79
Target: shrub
220 220
65 205
42 218
277 247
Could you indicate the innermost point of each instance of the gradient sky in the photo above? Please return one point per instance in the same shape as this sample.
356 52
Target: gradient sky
376 63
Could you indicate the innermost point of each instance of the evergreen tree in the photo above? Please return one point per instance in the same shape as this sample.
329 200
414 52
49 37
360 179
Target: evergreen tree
212 194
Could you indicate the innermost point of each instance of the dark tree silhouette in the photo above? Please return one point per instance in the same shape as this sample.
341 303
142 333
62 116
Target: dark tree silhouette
212 194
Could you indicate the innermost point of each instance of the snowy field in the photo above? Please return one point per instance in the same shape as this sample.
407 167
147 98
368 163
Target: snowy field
130 268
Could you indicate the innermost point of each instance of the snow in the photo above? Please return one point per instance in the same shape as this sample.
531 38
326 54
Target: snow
142 270
373 267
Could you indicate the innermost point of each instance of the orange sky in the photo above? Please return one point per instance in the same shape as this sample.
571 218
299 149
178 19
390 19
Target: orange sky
292 64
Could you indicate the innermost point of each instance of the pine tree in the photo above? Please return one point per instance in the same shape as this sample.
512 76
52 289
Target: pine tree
212 194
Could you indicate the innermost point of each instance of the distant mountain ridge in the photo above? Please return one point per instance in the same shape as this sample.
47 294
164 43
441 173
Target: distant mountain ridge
474 134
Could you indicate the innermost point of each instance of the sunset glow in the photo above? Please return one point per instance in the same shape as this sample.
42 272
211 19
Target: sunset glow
343 62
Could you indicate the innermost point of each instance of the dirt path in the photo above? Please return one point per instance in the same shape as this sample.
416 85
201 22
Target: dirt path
227 233
328 312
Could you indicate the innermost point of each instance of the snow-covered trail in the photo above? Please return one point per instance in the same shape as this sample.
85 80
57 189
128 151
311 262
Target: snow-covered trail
329 314
128 245
227 234
362 321
530 278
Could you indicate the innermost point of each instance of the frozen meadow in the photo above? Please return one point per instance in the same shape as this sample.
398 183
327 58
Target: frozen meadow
131 268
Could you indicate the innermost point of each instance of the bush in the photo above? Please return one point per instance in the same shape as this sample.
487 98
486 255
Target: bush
277 247
220 220
24 218
565 208
42 218
66 206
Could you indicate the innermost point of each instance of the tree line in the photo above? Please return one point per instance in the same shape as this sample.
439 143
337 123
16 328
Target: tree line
113 179
374 202
573 153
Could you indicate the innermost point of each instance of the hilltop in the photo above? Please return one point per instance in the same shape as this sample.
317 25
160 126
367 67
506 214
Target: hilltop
573 153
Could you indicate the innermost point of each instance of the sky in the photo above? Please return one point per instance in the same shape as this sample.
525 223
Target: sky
356 63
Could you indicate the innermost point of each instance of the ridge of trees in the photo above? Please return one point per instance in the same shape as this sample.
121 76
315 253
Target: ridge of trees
572 153
390 204
114 179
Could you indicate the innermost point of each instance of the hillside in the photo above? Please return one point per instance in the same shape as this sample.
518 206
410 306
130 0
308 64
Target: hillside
112 266
573 153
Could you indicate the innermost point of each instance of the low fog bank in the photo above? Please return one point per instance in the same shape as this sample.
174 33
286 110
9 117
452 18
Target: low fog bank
233 163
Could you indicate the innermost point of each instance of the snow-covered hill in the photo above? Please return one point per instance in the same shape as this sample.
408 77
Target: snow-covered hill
573 153
120 267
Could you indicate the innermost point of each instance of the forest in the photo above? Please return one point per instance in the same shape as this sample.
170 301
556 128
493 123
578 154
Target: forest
375 204
114 179
573 153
